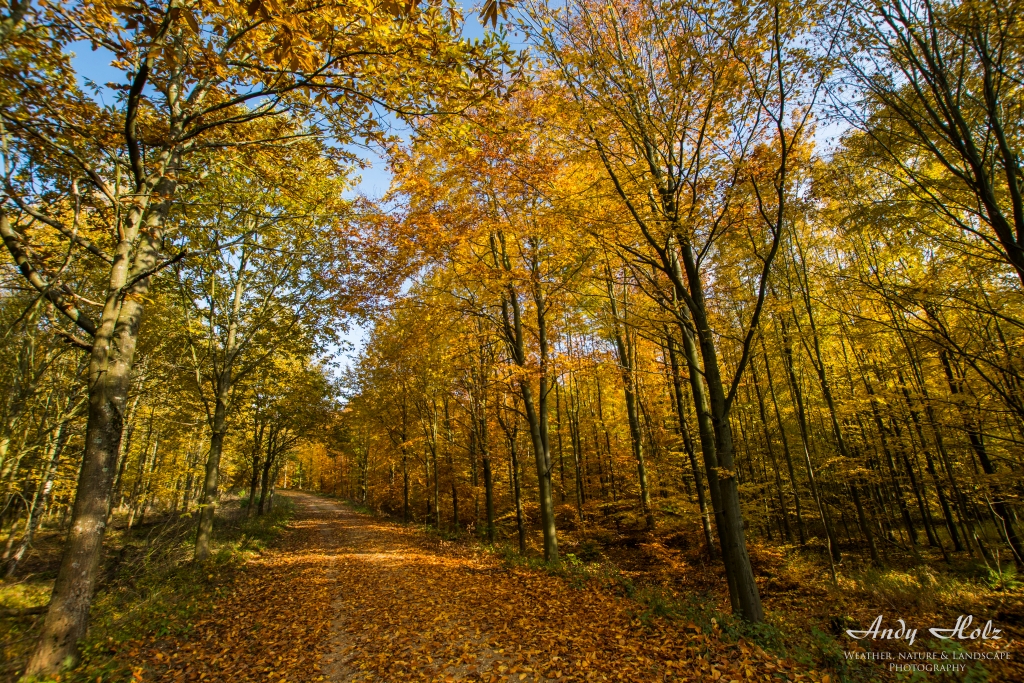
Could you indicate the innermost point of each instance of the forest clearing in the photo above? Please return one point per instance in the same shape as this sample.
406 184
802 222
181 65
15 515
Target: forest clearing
634 340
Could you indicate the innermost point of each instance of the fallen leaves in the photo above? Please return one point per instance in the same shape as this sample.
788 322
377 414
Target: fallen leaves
410 608
273 622
407 608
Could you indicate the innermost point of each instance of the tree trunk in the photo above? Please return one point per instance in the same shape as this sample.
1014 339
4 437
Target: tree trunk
110 364
254 481
268 462
405 460
1004 518
684 432
771 453
785 447
39 498
218 425
627 369
536 414
485 452
511 432
801 414
818 363
210 499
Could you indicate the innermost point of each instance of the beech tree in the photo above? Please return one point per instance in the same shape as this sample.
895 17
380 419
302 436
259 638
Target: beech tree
273 261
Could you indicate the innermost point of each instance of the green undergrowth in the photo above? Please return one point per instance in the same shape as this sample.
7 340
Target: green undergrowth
577 569
815 649
151 587
361 508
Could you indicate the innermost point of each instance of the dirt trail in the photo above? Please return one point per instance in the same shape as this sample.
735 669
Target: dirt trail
346 597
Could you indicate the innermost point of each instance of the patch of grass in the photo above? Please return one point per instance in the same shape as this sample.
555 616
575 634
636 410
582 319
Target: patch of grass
443 534
826 652
24 595
919 589
359 507
510 557
1002 578
571 567
589 551
21 605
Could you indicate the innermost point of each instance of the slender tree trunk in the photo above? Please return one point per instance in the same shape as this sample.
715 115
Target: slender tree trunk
449 447
485 453
536 414
122 457
837 431
607 442
919 488
771 454
577 446
716 437
561 447
1003 517
405 460
254 481
706 434
218 424
432 441
268 462
901 502
539 428
211 494
627 369
684 432
56 447
785 447
511 433
801 413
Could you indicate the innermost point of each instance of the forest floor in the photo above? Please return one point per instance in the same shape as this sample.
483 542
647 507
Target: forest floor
319 591
348 597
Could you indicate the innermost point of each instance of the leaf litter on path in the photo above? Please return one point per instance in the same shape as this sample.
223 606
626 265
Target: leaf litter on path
347 597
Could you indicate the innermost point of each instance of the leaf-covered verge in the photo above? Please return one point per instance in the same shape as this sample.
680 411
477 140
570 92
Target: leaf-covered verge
151 589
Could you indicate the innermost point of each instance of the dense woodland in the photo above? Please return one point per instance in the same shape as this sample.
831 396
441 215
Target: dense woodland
752 270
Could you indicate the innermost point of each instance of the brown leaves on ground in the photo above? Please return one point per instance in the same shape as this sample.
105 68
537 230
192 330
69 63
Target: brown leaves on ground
410 607
274 622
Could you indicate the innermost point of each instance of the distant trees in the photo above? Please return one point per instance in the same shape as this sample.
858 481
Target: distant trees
269 250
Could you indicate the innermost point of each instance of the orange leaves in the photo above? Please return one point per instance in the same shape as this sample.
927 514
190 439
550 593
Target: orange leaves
413 608
272 623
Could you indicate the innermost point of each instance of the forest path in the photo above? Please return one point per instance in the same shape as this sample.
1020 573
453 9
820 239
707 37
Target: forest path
347 597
